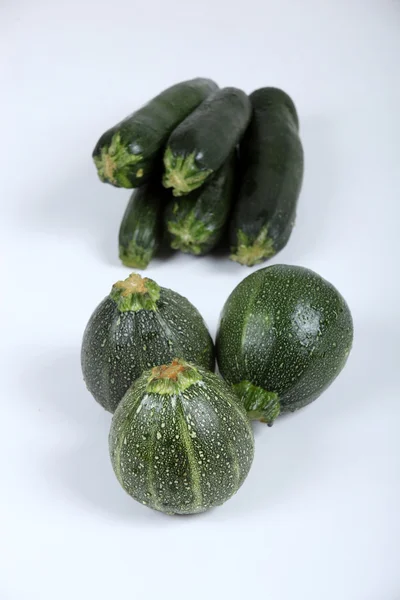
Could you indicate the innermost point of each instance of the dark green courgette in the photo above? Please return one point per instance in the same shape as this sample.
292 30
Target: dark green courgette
180 441
141 231
271 159
285 333
138 326
205 139
196 222
127 154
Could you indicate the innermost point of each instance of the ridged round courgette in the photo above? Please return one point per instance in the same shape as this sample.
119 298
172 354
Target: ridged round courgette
285 333
128 154
204 140
139 325
196 222
180 441
141 231
271 167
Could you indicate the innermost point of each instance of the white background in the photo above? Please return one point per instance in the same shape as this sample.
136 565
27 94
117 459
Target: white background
318 517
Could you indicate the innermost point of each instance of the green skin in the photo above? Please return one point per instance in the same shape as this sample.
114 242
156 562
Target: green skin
139 325
127 154
201 144
196 222
181 445
284 335
140 233
272 165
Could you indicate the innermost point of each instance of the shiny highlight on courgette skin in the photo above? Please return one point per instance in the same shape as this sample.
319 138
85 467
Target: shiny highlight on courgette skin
287 331
129 153
139 325
181 447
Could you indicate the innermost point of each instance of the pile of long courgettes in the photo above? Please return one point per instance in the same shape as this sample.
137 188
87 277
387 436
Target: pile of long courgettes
207 164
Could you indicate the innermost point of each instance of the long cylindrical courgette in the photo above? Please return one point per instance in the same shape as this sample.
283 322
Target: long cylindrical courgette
204 140
271 157
141 228
127 154
196 222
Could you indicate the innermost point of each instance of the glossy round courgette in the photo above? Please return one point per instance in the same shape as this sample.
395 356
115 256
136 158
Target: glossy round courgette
180 441
139 325
285 334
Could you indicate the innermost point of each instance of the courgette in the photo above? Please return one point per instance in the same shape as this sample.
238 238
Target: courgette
271 159
180 441
196 222
141 232
284 335
139 325
127 154
204 140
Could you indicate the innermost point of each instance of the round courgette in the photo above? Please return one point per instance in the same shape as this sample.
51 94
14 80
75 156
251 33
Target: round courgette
271 167
141 231
205 139
139 325
284 335
196 222
180 441
128 154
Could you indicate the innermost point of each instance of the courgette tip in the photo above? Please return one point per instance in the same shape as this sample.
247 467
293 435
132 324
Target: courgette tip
187 247
135 293
182 174
116 165
134 263
188 235
250 253
135 260
173 378
260 404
